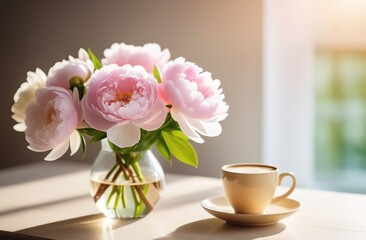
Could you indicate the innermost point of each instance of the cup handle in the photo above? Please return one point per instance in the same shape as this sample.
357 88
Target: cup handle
292 188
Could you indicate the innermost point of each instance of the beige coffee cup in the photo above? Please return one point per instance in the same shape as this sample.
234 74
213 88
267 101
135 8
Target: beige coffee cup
250 188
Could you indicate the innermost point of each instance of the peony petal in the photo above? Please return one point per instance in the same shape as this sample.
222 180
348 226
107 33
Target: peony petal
185 126
210 129
20 127
191 91
221 117
58 151
154 119
93 117
50 120
61 72
83 54
124 135
75 142
147 56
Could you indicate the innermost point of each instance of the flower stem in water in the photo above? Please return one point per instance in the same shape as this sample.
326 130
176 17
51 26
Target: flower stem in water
131 173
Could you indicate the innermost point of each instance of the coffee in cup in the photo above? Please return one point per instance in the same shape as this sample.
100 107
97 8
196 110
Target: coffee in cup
250 188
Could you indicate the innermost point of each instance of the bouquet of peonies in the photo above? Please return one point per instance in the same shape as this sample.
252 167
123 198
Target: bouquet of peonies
134 97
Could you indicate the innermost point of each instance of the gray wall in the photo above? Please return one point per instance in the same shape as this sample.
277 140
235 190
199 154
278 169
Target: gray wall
223 37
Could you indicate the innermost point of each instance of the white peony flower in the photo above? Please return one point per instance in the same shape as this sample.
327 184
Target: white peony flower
24 95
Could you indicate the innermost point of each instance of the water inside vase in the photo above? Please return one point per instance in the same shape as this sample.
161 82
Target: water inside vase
126 199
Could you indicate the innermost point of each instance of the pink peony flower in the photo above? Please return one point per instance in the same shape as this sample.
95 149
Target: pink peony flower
147 56
24 95
197 101
51 120
121 100
62 72
83 55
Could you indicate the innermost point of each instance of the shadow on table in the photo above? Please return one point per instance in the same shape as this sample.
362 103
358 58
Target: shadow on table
95 226
214 228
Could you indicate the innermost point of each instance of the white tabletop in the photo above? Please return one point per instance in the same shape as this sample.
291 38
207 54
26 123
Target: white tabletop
52 200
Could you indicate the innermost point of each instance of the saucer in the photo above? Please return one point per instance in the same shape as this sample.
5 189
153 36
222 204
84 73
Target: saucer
220 208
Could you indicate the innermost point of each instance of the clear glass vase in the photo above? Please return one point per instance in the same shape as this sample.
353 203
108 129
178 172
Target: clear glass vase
126 185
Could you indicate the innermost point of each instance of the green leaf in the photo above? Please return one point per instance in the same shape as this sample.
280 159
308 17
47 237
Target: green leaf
147 140
180 148
157 74
98 136
179 134
163 148
95 134
96 62
83 144
125 150
170 124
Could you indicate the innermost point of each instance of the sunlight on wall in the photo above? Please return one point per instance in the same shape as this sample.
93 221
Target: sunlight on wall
303 133
340 24
287 88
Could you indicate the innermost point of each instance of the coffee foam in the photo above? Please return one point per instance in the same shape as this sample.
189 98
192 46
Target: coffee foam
249 169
